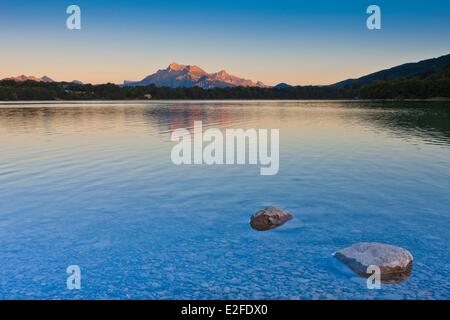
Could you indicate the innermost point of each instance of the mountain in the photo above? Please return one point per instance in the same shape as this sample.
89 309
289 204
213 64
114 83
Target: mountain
408 70
46 79
282 86
176 76
29 78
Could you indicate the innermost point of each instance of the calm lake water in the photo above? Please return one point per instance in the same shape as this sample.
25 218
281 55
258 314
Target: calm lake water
93 185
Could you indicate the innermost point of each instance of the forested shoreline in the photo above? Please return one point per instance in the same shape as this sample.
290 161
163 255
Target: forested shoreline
427 86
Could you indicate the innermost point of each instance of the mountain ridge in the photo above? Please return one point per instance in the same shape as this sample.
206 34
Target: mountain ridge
406 70
23 77
188 76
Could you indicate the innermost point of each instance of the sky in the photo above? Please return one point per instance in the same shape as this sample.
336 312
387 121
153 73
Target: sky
299 42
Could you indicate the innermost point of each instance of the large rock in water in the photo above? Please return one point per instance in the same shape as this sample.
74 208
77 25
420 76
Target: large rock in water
395 263
269 218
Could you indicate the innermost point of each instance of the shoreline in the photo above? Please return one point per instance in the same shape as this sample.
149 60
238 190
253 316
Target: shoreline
11 102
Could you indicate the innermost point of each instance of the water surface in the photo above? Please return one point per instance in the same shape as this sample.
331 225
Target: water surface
92 184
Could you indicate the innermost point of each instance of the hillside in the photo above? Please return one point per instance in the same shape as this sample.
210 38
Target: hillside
407 70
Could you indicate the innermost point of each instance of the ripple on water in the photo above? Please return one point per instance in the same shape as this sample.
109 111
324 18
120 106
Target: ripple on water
92 184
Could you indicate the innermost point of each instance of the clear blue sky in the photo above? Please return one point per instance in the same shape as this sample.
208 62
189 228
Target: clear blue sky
299 42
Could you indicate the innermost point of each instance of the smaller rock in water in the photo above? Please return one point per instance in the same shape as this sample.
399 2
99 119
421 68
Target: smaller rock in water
395 263
269 218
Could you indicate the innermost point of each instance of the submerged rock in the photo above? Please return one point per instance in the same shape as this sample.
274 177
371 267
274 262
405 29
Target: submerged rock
395 263
269 218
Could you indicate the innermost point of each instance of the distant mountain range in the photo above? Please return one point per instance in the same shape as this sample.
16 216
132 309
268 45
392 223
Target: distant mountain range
178 75
46 79
30 78
187 76
408 70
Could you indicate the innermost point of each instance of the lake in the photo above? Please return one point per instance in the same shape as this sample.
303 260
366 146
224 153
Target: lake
92 184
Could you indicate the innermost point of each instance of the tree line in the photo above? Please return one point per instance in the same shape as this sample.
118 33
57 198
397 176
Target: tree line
427 86
31 90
